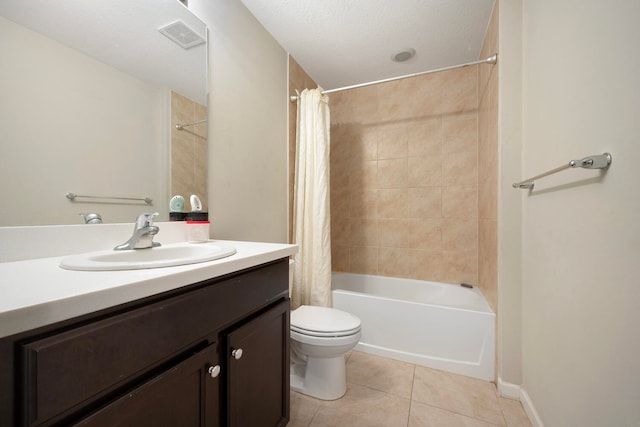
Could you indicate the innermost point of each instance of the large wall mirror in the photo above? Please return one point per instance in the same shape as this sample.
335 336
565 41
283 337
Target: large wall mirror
90 93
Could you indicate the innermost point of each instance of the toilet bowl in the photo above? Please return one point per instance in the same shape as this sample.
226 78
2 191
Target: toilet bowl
320 337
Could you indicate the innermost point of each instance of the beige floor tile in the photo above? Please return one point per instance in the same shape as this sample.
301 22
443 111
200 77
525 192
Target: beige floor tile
380 373
303 409
514 413
422 415
456 393
363 407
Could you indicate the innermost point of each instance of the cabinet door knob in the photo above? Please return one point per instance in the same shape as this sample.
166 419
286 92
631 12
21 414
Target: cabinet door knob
237 353
214 371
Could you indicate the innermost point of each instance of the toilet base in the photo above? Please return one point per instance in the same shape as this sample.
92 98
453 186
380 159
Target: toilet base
322 378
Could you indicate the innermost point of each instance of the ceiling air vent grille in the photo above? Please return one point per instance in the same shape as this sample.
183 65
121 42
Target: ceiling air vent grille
181 34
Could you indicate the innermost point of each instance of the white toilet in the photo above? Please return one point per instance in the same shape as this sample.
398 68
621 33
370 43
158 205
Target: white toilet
320 337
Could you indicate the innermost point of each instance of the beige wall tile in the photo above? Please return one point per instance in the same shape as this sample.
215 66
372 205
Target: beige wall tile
425 234
340 230
460 266
488 167
364 175
488 260
424 137
392 173
339 200
459 201
393 233
392 142
188 149
459 234
392 203
460 132
425 265
363 232
393 262
339 257
363 145
460 90
460 169
363 260
488 196
425 171
427 98
414 172
425 202
363 106
364 204
394 100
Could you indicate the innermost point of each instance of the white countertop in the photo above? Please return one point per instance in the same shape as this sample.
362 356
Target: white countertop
38 292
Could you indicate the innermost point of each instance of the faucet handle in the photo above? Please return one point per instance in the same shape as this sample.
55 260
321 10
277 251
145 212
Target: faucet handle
146 219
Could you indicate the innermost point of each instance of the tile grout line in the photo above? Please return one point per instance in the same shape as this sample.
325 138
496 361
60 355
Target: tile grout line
413 380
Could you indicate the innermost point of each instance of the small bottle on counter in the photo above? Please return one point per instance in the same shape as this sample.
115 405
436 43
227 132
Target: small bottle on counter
198 227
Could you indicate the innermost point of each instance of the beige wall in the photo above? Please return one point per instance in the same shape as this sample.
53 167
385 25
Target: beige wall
188 150
510 201
404 178
247 125
55 138
581 235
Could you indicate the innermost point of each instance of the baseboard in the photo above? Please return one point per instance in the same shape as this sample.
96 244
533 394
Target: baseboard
516 392
508 390
527 404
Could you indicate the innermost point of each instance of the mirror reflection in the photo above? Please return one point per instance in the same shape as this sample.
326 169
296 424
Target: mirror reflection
91 93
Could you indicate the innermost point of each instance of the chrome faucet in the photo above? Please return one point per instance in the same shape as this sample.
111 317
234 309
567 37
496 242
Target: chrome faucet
143 233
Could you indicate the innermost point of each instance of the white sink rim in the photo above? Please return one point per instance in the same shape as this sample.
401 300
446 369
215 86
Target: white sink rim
169 255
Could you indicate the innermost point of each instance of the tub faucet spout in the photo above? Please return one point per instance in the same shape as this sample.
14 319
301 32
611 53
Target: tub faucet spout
143 233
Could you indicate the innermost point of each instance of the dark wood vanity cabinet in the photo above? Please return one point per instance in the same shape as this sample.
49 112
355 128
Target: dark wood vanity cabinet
215 353
257 394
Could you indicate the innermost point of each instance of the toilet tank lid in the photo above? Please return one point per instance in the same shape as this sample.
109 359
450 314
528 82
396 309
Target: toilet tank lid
323 319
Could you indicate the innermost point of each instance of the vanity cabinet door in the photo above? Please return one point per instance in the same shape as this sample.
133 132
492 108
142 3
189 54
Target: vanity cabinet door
186 395
258 370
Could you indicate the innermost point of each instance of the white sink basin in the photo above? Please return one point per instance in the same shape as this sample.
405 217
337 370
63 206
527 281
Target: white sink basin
136 259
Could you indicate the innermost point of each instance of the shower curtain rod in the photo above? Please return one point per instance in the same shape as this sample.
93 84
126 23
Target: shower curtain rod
184 125
490 60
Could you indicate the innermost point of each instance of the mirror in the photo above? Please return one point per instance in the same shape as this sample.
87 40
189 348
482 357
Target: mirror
90 93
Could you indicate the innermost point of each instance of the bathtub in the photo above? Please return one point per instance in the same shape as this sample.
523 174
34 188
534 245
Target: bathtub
438 325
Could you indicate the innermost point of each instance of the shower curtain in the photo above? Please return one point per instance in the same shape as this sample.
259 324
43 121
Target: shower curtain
311 214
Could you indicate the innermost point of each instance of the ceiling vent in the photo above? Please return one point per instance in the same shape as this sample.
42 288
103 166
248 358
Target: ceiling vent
403 56
181 34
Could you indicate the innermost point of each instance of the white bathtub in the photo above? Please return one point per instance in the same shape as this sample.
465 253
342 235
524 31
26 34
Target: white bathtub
441 326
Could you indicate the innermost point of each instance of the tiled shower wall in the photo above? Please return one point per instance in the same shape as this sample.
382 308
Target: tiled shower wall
488 166
404 178
188 150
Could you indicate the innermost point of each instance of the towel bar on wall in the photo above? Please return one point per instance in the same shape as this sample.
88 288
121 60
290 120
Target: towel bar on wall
73 196
599 161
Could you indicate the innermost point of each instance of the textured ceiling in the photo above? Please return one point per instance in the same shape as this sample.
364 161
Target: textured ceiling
345 42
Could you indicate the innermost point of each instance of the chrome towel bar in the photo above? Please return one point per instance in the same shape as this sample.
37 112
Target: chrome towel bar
73 196
599 161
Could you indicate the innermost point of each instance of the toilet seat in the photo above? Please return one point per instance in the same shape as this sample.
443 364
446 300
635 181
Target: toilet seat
323 322
324 334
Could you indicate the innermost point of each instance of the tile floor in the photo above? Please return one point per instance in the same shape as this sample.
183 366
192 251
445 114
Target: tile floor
387 393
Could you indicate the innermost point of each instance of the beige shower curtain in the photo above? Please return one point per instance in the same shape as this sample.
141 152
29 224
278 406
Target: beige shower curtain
311 214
